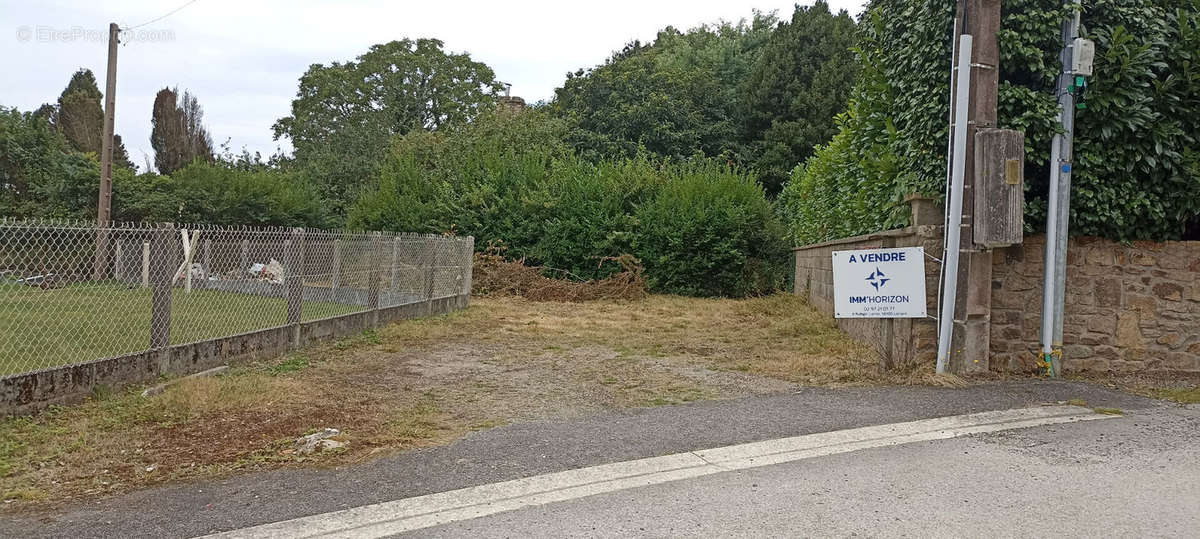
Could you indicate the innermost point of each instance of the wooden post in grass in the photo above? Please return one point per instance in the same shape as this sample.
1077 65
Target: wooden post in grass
887 329
158 271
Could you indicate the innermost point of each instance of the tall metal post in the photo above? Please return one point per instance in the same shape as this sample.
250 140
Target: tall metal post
1059 202
955 203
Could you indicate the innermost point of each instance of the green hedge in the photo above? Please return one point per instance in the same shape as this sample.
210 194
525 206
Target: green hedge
699 228
1137 173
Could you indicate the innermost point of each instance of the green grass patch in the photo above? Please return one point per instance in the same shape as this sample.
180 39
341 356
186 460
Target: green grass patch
48 328
291 364
1180 395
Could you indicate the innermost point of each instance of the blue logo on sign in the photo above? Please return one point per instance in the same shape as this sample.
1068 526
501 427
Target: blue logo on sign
877 279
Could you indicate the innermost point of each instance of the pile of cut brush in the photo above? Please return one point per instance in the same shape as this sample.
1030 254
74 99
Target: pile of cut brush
494 275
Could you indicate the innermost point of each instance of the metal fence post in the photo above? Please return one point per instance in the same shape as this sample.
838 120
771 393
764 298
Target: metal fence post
293 279
159 269
373 279
245 258
335 279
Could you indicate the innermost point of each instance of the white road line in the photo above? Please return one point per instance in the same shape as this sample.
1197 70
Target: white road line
389 518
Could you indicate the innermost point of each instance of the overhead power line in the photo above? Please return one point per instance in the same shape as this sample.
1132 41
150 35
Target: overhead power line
161 17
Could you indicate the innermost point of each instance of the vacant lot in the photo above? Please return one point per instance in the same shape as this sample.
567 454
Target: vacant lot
59 326
424 382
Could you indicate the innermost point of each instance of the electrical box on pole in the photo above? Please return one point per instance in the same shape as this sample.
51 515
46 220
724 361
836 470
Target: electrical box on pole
1083 52
999 187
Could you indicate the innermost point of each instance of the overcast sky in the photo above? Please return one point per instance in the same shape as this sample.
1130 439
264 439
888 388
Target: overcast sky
243 58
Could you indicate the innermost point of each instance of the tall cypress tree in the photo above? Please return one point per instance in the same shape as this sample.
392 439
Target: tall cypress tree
79 116
178 135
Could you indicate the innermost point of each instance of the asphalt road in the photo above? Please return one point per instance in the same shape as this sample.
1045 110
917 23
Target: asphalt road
1136 476
528 449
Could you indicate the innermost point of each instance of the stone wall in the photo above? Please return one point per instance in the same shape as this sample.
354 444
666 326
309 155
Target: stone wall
1129 307
1132 307
900 341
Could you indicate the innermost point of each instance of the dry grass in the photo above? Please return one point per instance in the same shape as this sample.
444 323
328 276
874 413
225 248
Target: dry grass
493 275
424 382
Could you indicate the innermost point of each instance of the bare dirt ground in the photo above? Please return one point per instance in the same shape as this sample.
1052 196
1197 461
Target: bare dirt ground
423 382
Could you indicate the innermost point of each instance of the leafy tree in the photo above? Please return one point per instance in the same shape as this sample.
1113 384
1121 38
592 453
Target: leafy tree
345 113
40 174
675 97
801 81
79 116
178 135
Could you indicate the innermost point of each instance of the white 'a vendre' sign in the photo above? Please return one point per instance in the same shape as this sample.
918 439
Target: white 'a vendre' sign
879 283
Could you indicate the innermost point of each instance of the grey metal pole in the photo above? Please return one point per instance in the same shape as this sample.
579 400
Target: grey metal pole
954 226
1059 207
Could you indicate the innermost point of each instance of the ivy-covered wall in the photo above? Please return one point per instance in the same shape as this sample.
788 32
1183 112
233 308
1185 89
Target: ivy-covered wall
1137 161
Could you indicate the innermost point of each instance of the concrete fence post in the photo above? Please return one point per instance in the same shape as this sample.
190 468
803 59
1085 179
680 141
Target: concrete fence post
145 264
373 278
159 271
335 278
119 263
468 267
395 264
293 279
245 260
431 261
207 262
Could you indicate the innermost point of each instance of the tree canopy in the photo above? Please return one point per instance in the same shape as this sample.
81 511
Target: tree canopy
799 84
345 113
79 116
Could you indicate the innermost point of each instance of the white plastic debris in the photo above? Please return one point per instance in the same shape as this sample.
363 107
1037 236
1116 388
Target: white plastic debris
273 272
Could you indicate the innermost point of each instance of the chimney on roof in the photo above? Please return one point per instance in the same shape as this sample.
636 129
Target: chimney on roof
510 104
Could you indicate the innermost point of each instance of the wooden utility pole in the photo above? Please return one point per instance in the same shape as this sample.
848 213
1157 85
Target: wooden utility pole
104 206
973 304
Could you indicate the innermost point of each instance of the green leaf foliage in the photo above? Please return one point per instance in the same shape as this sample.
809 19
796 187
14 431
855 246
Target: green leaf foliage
800 82
1135 175
345 114
513 182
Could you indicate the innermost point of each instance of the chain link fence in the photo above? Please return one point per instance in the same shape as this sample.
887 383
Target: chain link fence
75 292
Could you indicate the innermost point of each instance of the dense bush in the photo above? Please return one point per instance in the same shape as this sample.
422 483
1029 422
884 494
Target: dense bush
711 232
512 182
1136 173
224 195
40 174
